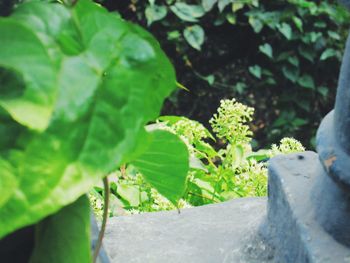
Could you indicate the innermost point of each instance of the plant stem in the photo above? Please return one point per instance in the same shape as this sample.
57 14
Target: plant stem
104 220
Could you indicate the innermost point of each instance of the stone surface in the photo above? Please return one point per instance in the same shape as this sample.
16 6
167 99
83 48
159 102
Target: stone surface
295 227
223 232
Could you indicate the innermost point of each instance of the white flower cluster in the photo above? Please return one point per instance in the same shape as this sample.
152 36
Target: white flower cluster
287 145
230 122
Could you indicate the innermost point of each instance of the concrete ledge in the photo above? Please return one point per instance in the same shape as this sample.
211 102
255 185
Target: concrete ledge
223 232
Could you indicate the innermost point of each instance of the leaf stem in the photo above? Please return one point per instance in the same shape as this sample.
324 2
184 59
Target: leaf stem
104 220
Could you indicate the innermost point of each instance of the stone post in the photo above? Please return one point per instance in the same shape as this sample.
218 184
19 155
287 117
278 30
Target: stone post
332 195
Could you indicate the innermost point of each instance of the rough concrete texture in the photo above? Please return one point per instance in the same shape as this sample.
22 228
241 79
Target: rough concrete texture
223 232
293 216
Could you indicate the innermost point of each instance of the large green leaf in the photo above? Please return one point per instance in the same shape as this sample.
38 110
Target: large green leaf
165 164
109 78
64 236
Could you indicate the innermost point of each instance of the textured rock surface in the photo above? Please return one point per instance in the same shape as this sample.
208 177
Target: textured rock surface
223 232
296 194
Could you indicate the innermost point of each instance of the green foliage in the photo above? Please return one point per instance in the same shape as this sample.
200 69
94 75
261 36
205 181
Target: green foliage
71 225
78 86
282 57
162 165
219 169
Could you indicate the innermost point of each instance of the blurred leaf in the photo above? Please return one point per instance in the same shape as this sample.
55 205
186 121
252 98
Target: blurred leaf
328 53
89 114
174 35
286 30
298 23
256 24
129 193
155 13
223 3
323 91
299 122
266 49
307 52
237 154
186 12
64 236
260 155
231 18
194 35
8 182
333 35
206 148
306 81
237 6
240 87
293 60
208 4
291 73
255 71
195 163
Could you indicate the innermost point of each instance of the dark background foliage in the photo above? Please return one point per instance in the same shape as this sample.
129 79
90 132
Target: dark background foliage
282 57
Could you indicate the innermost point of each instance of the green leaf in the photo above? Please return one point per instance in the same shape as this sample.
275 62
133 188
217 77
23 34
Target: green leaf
266 49
299 122
291 73
210 79
328 53
237 154
194 35
298 23
165 164
237 6
256 24
104 95
323 91
206 148
186 12
173 35
155 13
223 3
293 60
307 52
260 155
334 35
231 18
255 71
286 30
10 131
306 81
129 193
8 182
20 48
64 236
208 4
196 163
